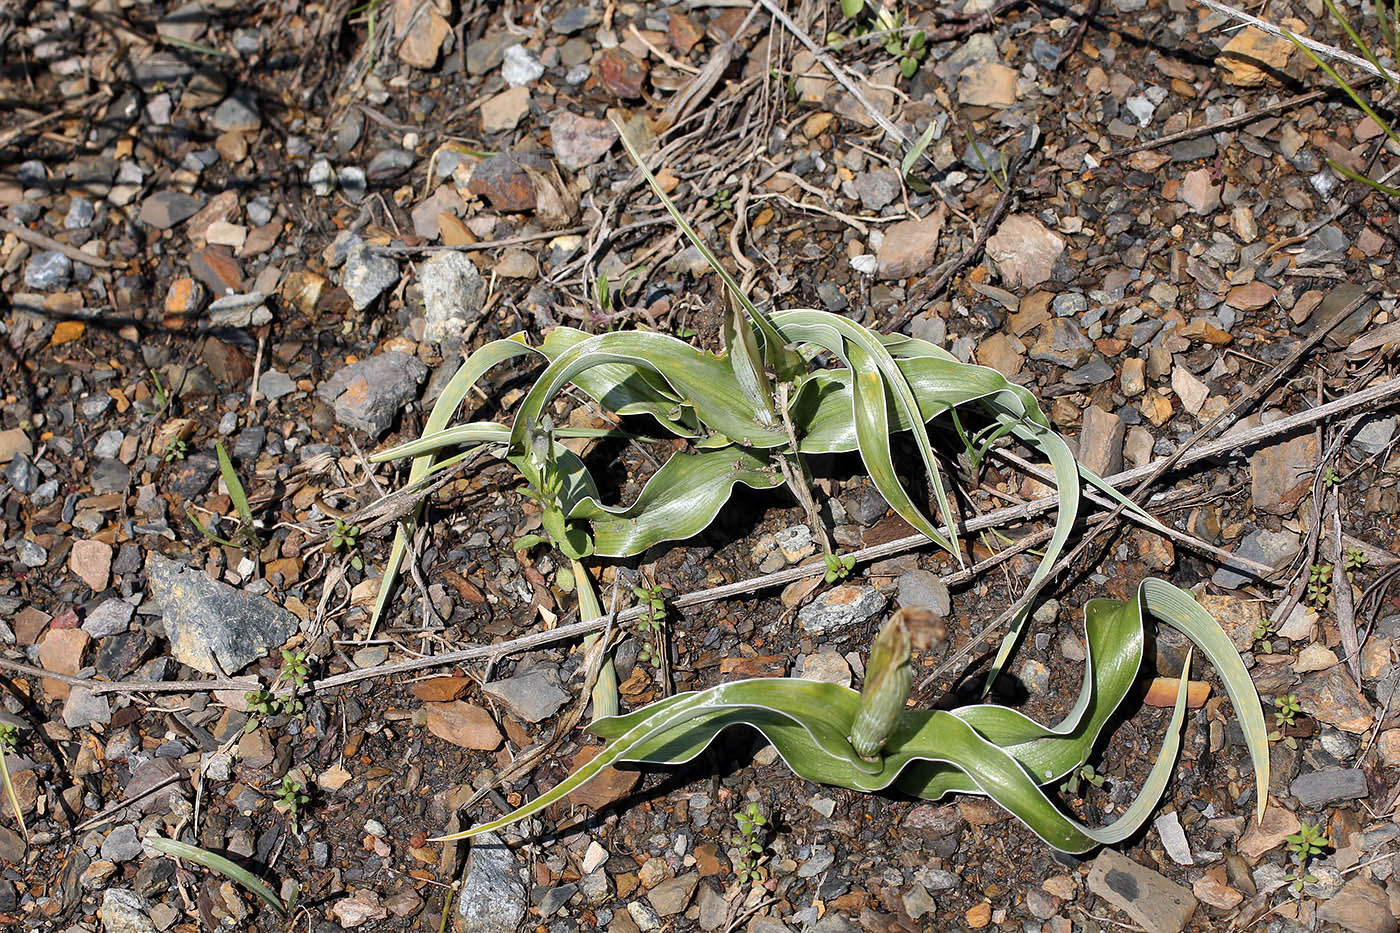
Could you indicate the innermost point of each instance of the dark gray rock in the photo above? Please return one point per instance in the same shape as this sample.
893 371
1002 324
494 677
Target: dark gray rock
190 476
1268 547
367 275
368 394
877 187
84 708
122 844
48 271
238 113
274 385
211 626
388 165
1323 788
22 474
531 696
492 899
165 209
111 617
81 214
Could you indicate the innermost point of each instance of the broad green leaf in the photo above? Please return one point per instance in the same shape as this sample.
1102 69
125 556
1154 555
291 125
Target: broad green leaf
215 862
983 749
679 501
703 379
235 488
746 361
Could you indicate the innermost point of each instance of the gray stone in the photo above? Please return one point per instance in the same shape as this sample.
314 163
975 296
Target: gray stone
274 385
487 52
492 899
122 844
186 23
367 275
574 20
1267 547
238 113
211 626
877 187
1101 440
643 916
125 911
1069 304
388 164
1035 677
1362 906
1174 838
109 444
111 617
671 896
31 554
84 708
1062 343
714 909
165 209
531 696
923 589
354 183
22 474
1151 900
1323 788
1374 434
580 141
555 898
249 443
841 607
519 66
453 292
48 270
368 394
80 214
1095 372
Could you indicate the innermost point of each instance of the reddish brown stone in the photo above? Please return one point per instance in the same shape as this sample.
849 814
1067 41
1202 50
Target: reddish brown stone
684 32
216 267
440 689
503 181
607 787
226 363
621 73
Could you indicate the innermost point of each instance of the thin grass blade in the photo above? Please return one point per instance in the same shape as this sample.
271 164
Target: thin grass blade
214 862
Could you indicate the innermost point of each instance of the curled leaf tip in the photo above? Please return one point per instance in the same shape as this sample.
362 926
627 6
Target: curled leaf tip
888 680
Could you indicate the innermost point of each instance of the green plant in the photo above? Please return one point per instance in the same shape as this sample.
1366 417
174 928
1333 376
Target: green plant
885 24
161 396
9 741
1287 710
1307 843
754 415
651 623
265 702
1356 561
1084 775
838 566
247 538
1388 23
229 869
748 840
175 449
291 797
1330 478
1319 585
977 749
999 173
1263 634
345 536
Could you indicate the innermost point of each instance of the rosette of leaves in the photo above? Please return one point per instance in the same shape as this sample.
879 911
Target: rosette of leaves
981 749
787 386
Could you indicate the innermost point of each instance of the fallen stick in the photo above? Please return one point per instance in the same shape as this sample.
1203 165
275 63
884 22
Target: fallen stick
47 242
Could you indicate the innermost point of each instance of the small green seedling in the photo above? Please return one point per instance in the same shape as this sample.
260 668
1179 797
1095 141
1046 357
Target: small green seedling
291 797
749 841
1263 635
652 622
162 397
1356 560
887 24
346 537
1085 776
264 702
1307 843
175 449
1319 585
1330 479
838 566
9 741
1284 716
247 538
